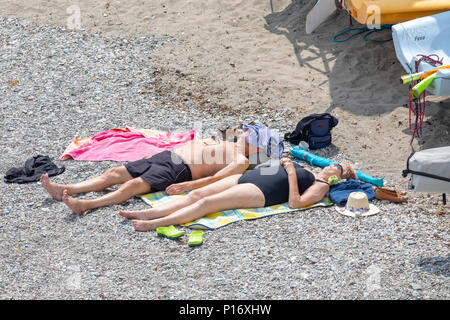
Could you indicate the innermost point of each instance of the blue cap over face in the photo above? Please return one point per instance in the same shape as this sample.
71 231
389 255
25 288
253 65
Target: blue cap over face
262 137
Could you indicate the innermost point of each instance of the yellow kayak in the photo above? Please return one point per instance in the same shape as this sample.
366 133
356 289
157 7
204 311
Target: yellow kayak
393 11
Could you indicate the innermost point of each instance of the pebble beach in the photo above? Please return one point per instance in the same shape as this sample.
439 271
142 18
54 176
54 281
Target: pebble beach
59 84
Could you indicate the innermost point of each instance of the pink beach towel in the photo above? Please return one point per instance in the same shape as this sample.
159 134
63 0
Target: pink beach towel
125 145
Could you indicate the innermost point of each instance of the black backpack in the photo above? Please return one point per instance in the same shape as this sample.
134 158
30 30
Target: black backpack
315 129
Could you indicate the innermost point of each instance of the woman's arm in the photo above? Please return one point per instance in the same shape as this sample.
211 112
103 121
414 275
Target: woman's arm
313 194
294 195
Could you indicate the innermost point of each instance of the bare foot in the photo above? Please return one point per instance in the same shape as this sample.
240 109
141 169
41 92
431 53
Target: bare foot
74 204
54 189
140 215
141 225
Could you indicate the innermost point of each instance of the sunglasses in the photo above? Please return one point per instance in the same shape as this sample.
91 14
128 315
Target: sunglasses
340 168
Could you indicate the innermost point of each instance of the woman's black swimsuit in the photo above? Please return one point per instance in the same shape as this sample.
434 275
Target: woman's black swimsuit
274 184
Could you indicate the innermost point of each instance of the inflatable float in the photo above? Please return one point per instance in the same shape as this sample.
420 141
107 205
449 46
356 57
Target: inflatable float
375 12
316 160
427 36
393 11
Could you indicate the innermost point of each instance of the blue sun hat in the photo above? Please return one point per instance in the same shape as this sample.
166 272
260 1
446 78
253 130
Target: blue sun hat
262 137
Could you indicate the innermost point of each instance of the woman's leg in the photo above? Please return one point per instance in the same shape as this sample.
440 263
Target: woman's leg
239 196
190 198
117 175
126 191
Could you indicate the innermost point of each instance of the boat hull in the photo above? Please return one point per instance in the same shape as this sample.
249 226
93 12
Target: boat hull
393 11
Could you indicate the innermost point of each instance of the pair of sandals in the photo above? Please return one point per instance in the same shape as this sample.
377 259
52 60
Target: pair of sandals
170 232
391 195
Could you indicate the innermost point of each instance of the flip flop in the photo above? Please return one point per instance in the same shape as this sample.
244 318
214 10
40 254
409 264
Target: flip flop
391 195
169 232
196 238
390 191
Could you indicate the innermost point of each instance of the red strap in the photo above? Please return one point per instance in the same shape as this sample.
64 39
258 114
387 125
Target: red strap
419 112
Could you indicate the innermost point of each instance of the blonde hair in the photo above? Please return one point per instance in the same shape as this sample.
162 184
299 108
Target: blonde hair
348 172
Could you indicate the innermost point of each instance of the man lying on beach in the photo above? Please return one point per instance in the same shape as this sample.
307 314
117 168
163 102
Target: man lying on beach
189 167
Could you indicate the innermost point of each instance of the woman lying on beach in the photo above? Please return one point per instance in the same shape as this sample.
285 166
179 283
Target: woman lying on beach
288 182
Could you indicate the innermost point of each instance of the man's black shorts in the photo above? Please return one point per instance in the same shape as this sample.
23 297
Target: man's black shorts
161 170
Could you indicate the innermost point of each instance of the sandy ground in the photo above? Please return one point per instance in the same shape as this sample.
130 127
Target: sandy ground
257 54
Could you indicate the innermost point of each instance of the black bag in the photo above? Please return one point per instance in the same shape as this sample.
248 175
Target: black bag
315 129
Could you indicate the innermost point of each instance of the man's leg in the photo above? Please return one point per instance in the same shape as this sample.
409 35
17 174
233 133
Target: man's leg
190 198
239 196
126 191
116 175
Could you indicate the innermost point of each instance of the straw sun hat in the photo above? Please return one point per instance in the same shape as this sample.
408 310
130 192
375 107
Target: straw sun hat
358 206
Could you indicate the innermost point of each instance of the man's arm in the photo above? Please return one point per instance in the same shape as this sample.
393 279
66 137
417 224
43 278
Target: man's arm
235 167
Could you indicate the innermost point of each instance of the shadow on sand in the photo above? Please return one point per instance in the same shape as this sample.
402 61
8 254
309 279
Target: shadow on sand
363 76
437 265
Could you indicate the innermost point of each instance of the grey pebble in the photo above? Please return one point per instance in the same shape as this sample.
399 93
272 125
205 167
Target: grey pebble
312 259
416 286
